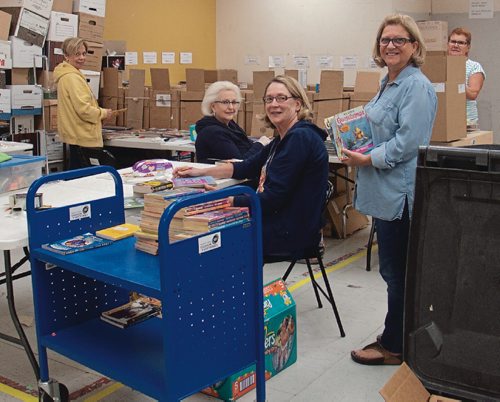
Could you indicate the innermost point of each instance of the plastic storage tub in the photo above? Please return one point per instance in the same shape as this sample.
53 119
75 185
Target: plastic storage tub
20 171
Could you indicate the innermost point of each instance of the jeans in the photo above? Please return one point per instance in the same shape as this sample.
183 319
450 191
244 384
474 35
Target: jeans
392 238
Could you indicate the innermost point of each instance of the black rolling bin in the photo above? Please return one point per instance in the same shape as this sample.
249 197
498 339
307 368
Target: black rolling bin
452 307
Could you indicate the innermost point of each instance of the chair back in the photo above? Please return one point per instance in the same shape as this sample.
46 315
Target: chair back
97 157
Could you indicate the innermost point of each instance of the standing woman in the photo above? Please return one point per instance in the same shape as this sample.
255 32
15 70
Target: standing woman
459 45
401 118
78 114
218 136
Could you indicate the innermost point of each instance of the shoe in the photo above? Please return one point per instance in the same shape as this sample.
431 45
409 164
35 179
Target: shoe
385 357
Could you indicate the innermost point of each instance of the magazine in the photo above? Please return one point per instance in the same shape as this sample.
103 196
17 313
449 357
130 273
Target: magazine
199 181
132 312
152 186
350 130
118 232
76 244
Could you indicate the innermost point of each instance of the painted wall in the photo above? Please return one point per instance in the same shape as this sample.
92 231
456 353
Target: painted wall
165 25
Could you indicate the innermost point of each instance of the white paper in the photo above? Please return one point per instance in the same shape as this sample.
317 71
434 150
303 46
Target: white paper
80 212
251 60
167 57
461 88
324 61
163 100
149 57
481 9
439 86
301 62
131 58
186 58
276 61
303 78
348 62
372 64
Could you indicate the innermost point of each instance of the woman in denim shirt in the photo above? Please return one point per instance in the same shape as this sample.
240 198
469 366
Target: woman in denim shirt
401 118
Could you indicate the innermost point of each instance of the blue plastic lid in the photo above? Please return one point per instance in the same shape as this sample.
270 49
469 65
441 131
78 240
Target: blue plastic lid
18 160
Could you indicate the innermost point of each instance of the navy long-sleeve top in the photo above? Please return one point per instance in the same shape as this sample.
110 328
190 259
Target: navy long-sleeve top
216 140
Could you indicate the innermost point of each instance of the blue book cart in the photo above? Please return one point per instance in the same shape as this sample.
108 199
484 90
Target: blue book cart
210 287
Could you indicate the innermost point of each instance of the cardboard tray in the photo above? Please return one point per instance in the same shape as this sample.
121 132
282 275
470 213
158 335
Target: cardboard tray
452 325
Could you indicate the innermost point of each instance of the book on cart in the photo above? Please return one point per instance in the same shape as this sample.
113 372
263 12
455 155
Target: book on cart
202 207
200 181
131 313
75 244
118 232
350 130
207 221
152 186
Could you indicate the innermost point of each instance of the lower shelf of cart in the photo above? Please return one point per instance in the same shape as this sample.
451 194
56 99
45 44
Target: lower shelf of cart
133 356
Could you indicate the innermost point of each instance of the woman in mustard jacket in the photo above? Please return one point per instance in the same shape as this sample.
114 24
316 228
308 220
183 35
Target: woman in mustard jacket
78 114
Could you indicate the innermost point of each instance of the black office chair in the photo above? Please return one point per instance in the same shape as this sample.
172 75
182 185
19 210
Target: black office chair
369 246
96 157
308 255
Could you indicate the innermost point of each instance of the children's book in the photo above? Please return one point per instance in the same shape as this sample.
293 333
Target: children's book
199 181
350 130
207 206
152 186
118 232
131 313
76 244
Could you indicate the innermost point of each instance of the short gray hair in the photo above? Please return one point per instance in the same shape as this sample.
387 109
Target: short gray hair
71 45
213 92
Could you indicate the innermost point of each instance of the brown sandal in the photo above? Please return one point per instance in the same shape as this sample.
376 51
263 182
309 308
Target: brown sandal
386 358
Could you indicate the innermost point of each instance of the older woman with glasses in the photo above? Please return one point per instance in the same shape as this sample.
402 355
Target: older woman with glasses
293 171
459 45
401 117
218 136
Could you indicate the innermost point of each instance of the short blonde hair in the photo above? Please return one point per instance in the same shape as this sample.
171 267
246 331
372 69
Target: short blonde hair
411 27
71 45
295 89
213 92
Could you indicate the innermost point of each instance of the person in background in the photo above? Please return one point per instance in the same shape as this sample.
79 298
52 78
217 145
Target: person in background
293 171
78 114
401 117
459 43
218 136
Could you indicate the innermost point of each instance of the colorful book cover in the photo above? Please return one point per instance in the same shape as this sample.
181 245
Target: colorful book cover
118 232
152 186
131 313
199 181
350 130
207 206
76 244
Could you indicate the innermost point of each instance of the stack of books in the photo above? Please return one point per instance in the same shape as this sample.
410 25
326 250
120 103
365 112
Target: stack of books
132 312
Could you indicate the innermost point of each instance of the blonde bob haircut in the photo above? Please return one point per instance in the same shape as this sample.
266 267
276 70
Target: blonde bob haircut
292 85
408 23
212 93
70 46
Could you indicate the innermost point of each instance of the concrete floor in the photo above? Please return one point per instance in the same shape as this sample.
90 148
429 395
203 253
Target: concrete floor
323 372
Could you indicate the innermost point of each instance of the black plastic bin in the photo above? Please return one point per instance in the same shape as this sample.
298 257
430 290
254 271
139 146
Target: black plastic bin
452 307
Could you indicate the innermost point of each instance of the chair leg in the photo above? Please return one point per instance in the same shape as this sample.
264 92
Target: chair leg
330 296
289 269
314 283
369 247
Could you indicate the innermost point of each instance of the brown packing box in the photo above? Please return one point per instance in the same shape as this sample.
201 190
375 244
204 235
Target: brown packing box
360 98
292 73
346 100
354 219
190 108
439 67
331 84
63 6
473 138
325 108
195 79
135 98
50 113
210 76
228 75
260 81
146 108
93 61
248 93
20 76
451 122
91 27
367 81
258 126
5 20
160 105
27 25
109 94
114 47
435 34
341 185
54 53
404 386
240 116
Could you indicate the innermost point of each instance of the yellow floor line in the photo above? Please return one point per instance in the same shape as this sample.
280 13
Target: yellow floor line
22 396
104 393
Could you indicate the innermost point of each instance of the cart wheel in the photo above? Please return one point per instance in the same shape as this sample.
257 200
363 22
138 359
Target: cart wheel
63 392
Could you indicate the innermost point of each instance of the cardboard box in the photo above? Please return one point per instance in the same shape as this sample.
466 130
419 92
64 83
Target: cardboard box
331 84
50 113
40 7
367 81
135 99
190 108
292 73
341 206
62 26
28 26
112 47
439 67
451 121
473 138
258 128
63 6
93 80
160 105
23 125
435 34
5 20
210 76
325 108
228 75
93 60
260 81
405 386
94 7
25 54
20 76
247 95
5 108
91 27
5 55
280 327
195 79
54 53
26 99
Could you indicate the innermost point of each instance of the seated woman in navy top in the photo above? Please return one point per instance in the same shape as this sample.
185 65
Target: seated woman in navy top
218 136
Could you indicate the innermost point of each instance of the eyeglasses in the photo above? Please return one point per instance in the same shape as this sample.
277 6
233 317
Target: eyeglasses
227 102
398 42
457 42
279 98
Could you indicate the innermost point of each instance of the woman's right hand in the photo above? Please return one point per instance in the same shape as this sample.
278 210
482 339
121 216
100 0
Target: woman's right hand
185 171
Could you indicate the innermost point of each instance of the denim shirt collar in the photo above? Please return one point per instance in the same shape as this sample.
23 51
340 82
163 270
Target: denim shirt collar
410 69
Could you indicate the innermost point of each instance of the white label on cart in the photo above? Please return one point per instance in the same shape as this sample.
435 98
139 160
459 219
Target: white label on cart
209 242
80 212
